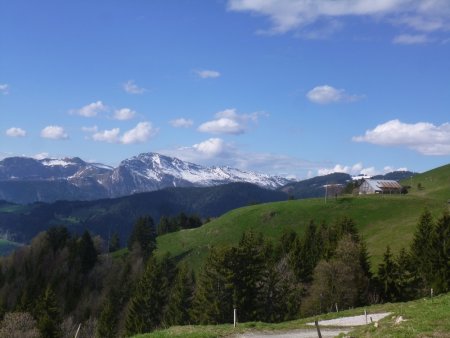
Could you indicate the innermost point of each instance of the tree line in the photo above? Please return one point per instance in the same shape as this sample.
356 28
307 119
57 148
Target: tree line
182 221
61 280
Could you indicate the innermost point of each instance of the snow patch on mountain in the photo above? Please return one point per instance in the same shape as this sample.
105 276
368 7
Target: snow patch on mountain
56 162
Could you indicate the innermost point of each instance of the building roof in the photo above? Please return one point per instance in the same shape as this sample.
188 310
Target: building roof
383 184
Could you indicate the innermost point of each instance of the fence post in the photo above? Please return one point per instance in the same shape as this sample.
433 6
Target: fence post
78 330
318 328
234 317
365 314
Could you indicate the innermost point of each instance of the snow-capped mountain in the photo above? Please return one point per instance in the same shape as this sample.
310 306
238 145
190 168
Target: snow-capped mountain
23 168
151 171
77 179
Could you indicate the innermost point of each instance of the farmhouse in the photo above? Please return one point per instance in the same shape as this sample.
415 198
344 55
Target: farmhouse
370 186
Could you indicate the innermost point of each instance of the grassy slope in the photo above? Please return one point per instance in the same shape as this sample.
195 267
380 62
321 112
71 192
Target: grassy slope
382 220
424 318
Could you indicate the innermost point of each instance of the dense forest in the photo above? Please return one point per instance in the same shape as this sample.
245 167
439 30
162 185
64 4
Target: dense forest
63 280
106 216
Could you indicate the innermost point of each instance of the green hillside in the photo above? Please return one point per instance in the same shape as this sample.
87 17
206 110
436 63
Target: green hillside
435 184
382 219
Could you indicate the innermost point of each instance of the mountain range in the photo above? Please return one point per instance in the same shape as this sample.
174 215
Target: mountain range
104 199
27 180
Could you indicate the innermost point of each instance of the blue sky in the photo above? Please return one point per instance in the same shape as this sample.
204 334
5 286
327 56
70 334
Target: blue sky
288 87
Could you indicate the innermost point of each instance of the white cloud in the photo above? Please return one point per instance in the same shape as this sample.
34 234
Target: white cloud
207 74
275 164
327 94
408 39
141 133
210 151
181 123
211 147
16 132
4 88
132 88
229 122
5 154
90 110
287 15
110 136
357 169
336 169
215 151
222 126
424 137
54 133
124 114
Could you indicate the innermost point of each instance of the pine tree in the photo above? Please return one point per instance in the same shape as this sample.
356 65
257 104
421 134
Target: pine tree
181 297
422 248
346 226
114 243
107 322
57 237
194 221
144 236
407 279
281 292
163 225
248 273
310 252
387 276
364 259
441 254
306 253
87 252
287 240
146 305
213 299
182 221
48 315
328 237
294 258
364 263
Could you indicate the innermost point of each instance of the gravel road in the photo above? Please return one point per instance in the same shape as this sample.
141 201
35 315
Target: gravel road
345 322
304 333
354 320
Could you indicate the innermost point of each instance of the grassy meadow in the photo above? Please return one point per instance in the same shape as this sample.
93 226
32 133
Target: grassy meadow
381 219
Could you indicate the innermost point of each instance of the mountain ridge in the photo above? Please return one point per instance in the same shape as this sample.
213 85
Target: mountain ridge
27 180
